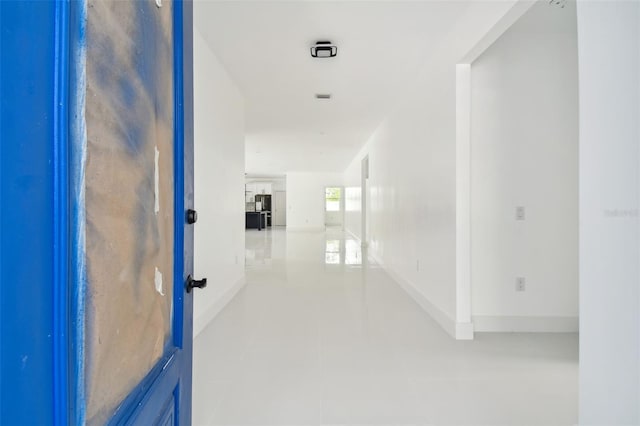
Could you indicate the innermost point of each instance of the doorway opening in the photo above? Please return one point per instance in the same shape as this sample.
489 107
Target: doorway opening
515 221
280 208
334 207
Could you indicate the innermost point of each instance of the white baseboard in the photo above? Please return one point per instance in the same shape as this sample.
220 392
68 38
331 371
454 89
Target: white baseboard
522 324
203 320
459 331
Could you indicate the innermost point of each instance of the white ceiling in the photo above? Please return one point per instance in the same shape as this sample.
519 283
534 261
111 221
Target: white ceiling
264 46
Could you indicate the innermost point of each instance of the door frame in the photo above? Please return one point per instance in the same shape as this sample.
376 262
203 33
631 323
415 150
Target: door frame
33 213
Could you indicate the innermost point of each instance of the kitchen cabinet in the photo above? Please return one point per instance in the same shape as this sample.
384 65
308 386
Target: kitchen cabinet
249 192
263 188
257 220
256 188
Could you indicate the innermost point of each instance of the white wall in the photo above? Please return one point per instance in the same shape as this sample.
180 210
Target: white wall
305 199
412 172
609 57
524 152
412 198
219 183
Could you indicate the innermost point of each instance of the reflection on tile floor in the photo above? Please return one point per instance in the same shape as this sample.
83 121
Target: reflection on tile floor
321 335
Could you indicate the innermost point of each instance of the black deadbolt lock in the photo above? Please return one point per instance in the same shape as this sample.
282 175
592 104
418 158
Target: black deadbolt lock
192 216
191 283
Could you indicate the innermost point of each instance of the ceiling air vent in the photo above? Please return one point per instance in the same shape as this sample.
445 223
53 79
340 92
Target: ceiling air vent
323 95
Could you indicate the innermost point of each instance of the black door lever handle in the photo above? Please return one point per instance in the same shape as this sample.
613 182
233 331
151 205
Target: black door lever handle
192 216
192 283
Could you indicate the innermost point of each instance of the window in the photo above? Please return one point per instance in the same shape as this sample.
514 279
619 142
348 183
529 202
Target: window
332 199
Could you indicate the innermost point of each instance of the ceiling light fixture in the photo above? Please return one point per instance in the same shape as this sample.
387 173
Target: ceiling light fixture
324 49
323 95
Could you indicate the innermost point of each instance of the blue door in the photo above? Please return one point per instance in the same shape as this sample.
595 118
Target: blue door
97 233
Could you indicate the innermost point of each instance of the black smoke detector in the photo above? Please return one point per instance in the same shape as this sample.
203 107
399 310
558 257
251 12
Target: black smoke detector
324 49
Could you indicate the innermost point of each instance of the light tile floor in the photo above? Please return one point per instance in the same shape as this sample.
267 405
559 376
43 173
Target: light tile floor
318 336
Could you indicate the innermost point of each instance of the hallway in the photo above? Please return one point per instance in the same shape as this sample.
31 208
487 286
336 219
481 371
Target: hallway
321 335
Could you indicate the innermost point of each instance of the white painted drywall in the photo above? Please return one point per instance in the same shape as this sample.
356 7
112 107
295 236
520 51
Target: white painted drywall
219 183
524 152
305 199
412 173
609 67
